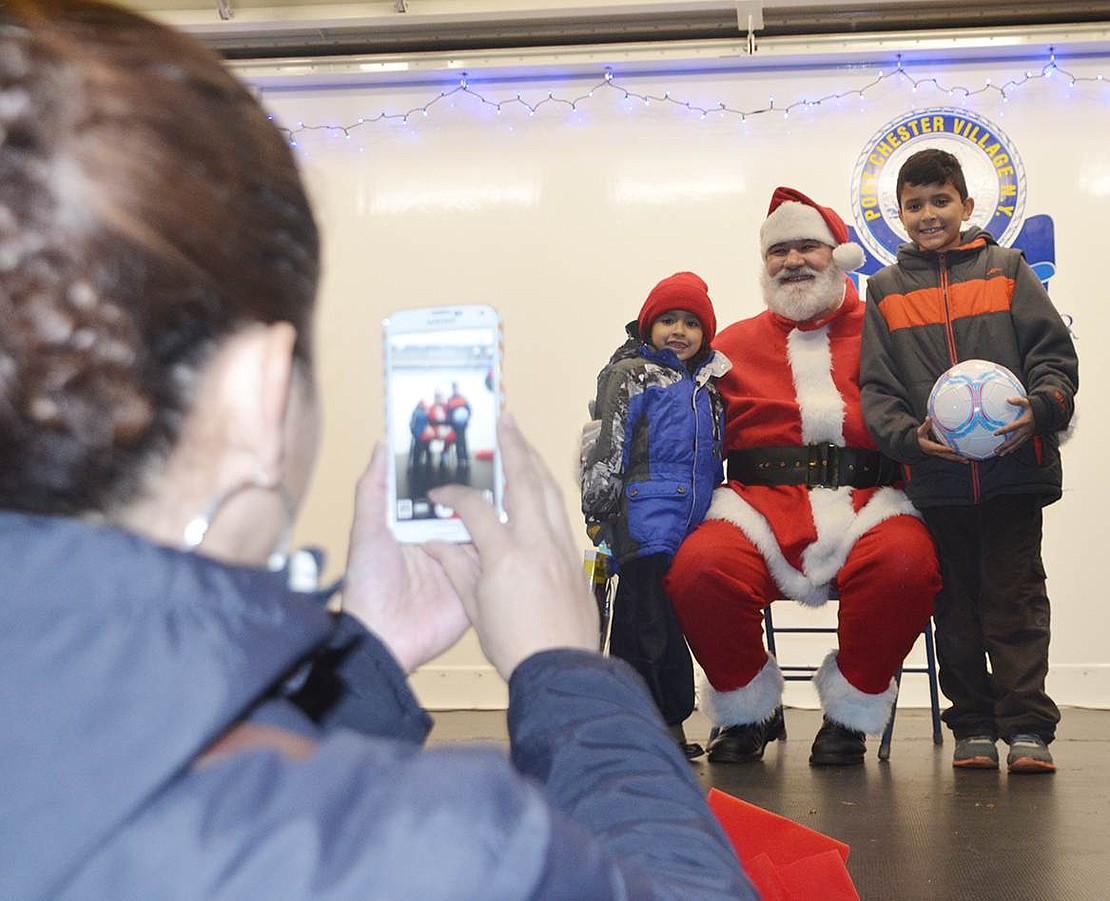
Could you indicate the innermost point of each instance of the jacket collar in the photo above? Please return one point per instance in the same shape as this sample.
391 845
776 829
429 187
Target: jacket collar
715 367
972 240
119 661
716 364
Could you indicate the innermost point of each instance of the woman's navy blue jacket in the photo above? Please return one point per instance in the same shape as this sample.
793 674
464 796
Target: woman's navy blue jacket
121 662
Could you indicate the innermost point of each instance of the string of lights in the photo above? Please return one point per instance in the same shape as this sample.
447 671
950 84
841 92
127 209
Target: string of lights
1051 69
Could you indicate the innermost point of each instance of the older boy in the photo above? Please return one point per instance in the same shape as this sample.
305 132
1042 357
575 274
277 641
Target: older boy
956 295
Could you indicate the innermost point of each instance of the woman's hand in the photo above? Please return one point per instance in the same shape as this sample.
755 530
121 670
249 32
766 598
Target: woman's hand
525 590
398 591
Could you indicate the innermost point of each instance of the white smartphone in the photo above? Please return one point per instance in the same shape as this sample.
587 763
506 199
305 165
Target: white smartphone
442 401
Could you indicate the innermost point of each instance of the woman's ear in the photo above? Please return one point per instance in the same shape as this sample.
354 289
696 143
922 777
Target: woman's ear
255 388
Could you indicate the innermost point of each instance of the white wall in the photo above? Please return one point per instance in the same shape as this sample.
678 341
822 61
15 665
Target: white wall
565 219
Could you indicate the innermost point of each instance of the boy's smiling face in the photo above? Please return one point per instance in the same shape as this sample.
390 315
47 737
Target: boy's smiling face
680 330
933 214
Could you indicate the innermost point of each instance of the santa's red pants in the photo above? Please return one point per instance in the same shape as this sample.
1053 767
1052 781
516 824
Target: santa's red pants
720 584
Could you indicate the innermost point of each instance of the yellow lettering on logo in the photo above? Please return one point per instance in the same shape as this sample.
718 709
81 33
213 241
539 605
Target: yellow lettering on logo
1007 210
884 148
869 201
1009 190
1005 170
903 133
993 149
938 123
869 215
1001 160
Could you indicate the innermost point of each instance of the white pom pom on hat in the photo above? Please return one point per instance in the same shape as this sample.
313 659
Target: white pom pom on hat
792 216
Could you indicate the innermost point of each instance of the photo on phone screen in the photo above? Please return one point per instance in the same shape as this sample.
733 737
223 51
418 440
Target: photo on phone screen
443 397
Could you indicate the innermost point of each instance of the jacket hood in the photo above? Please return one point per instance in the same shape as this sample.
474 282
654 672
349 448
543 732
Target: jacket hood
119 661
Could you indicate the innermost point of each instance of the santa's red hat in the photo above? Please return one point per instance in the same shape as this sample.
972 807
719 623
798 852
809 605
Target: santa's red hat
681 291
794 217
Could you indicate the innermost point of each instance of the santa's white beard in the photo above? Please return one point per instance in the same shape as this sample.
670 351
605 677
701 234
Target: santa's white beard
807 299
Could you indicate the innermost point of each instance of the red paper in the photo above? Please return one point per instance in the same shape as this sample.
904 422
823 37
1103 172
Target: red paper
785 860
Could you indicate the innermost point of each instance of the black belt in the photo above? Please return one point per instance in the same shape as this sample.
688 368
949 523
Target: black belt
813 465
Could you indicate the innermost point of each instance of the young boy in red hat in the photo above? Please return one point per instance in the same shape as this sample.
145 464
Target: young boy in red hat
649 477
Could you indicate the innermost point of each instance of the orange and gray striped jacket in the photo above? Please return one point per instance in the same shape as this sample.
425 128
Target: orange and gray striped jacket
930 311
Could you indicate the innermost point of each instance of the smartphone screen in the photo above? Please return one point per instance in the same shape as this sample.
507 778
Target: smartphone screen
443 398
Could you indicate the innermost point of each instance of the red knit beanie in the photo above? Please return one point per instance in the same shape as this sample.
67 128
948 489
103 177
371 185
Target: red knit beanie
681 291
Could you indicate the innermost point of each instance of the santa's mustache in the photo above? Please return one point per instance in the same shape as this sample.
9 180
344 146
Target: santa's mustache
803 273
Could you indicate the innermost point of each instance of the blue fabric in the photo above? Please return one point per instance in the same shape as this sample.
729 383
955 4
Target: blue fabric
120 661
652 471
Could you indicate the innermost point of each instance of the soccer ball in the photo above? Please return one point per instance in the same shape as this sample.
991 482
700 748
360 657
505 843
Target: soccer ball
969 402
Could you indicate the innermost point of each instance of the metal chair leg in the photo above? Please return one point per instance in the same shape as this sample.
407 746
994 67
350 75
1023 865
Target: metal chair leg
605 596
769 630
934 693
888 732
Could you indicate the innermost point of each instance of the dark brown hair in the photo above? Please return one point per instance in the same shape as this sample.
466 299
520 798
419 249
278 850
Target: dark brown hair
148 209
931 167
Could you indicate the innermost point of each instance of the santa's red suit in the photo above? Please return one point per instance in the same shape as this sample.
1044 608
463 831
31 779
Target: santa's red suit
794 384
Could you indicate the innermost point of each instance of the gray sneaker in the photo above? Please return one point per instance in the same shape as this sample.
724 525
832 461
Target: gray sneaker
1029 754
977 752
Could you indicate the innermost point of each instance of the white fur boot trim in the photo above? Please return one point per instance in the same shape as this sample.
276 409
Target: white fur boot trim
847 705
751 703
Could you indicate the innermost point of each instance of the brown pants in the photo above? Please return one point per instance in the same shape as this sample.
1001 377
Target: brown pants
993 609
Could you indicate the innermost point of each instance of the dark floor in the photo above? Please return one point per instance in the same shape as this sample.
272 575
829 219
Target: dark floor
917 828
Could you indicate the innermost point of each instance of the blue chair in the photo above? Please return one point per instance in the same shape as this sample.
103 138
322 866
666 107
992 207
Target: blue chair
797 673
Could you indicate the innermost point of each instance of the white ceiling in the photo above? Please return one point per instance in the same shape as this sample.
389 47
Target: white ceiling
247 28
279 42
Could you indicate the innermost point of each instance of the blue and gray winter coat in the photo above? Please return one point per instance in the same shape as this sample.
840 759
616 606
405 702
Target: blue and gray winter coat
650 474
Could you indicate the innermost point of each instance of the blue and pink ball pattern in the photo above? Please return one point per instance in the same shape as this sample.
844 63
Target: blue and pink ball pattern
970 402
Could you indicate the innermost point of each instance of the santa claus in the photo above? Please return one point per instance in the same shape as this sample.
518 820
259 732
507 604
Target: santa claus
810 508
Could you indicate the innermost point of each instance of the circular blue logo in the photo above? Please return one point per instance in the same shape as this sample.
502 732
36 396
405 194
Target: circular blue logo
994 172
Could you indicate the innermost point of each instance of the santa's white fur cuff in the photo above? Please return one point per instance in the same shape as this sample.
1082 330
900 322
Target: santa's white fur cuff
751 703
847 705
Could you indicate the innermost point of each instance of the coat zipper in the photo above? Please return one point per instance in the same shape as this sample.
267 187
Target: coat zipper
953 359
693 505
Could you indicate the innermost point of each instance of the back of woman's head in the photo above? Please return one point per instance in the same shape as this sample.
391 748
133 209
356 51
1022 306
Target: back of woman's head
148 209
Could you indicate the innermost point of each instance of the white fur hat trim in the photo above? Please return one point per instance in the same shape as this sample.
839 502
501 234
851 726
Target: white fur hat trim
794 221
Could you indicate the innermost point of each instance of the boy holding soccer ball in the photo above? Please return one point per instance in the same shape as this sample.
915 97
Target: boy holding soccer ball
955 295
